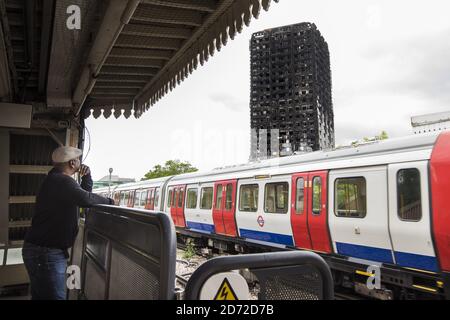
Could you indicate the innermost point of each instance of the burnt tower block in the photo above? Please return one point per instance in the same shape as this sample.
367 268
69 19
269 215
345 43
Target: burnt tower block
290 95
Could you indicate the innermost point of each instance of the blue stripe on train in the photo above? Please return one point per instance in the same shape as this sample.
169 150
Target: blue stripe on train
267 237
403 259
202 227
364 252
416 261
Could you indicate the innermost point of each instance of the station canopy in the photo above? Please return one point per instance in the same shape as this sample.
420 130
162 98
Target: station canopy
121 58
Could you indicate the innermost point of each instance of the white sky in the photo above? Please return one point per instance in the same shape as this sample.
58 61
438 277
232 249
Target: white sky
390 60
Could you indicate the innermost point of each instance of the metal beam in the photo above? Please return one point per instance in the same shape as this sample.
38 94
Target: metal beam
109 85
5 43
115 91
26 169
29 12
141 53
156 31
5 79
133 71
200 5
157 14
47 20
122 78
148 43
127 62
117 15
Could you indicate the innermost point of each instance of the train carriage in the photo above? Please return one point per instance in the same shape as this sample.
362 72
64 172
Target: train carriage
381 203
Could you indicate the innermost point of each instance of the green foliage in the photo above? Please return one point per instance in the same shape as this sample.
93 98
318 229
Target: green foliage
383 135
170 168
190 251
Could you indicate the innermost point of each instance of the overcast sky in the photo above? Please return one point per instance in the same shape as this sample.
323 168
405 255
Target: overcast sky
390 60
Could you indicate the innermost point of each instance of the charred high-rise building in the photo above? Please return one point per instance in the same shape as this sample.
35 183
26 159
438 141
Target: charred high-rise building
290 100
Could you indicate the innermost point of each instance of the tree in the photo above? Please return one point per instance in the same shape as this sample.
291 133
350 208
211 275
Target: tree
170 168
383 135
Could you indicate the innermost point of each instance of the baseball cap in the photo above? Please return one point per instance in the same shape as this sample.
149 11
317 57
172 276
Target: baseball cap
65 154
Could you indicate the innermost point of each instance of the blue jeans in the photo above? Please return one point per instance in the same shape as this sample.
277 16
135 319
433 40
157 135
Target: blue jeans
46 268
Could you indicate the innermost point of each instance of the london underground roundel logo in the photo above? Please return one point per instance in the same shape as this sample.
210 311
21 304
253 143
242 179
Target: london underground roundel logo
260 221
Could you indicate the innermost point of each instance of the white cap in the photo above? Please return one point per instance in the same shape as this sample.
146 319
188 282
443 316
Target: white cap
65 154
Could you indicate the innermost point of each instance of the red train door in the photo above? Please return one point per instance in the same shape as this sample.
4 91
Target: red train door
149 203
299 211
177 207
130 203
317 211
151 199
180 207
224 207
172 201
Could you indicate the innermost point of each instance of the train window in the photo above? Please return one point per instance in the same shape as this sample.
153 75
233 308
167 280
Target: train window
137 196
248 198
228 196
206 198
350 197
219 197
124 198
116 198
180 198
300 196
409 205
317 195
276 197
156 197
143 198
191 202
169 198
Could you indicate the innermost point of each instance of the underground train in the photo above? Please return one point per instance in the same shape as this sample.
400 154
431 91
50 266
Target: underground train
383 204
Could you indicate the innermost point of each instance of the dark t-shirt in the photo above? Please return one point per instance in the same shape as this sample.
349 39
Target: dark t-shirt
55 220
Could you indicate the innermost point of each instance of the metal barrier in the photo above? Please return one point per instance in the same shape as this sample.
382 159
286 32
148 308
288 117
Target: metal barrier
127 254
293 275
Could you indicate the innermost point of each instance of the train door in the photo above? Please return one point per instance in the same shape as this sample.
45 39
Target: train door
137 199
130 202
358 213
180 206
149 203
171 204
317 211
177 207
409 216
117 198
299 211
224 207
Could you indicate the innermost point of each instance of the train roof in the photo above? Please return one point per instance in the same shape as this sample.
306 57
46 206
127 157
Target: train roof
409 148
415 147
135 185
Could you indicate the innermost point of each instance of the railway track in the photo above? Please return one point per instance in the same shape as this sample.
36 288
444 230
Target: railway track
182 280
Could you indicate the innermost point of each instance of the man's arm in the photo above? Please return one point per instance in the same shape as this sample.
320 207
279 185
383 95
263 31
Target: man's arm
87 183
83 198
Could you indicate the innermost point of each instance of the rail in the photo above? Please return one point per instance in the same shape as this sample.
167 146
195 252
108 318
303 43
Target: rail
126 254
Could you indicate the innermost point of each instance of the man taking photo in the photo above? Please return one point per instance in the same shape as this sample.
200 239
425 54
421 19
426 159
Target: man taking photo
55 223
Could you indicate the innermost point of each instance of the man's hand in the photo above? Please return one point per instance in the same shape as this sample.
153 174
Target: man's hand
84 170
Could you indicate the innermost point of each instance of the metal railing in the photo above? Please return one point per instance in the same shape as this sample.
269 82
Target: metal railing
294 275
131 254
126 254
